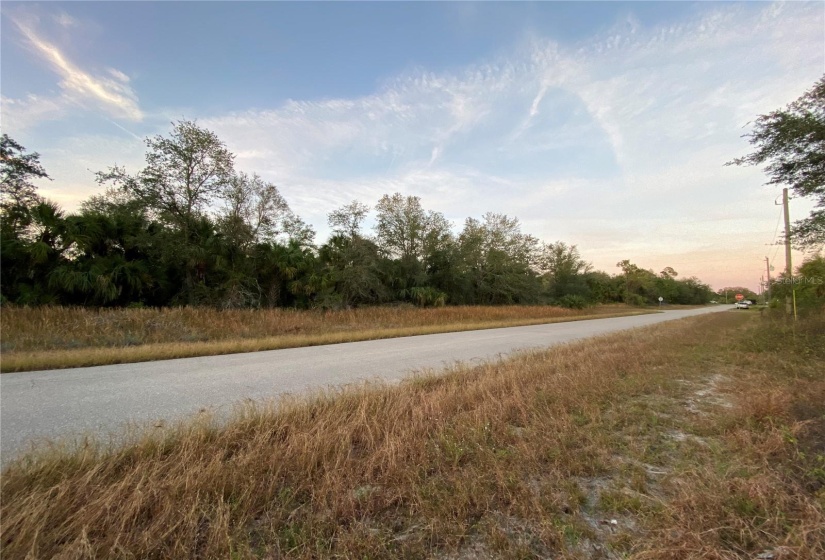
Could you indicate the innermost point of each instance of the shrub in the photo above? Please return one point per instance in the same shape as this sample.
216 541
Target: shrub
573 302
427 297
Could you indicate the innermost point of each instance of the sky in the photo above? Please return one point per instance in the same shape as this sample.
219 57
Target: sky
601 124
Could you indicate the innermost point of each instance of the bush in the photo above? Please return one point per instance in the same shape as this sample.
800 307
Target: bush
635 299
427 297
573 302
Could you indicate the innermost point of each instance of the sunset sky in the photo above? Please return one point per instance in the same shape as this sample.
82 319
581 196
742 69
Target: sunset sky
606 125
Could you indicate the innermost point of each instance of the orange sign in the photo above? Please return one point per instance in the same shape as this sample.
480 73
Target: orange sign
739 297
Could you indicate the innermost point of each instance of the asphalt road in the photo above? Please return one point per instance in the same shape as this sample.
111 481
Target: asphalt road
40 405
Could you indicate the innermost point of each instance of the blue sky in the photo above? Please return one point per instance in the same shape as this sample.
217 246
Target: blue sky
603 124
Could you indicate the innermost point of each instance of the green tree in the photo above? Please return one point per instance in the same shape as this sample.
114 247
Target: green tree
352 263
408 237
17 169
563 270
298 271
668 287
808 283
184 174
406 231
18 196
640 285
108 265
792 143
347 220
113 201
498 260
128 233
29 257
353 272
692 291
603 288
30 227
254 211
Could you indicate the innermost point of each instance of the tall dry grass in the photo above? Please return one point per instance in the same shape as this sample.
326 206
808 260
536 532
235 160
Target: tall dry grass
55 337
662 431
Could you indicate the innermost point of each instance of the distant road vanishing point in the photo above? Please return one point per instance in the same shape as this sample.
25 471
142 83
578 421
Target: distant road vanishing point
42 405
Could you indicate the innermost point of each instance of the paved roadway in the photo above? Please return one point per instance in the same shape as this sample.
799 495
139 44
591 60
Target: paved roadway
38 405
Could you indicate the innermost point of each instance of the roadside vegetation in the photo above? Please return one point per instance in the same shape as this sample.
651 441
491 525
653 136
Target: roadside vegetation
191 230
51 337
699 438
192 257
806 286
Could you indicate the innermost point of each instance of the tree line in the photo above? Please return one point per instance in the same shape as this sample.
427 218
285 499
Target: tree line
190 229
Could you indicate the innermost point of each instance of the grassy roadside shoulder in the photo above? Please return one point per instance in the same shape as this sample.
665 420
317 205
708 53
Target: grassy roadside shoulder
339 328
699 438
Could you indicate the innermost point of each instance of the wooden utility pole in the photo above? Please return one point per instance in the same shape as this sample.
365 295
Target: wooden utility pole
768 268
789 306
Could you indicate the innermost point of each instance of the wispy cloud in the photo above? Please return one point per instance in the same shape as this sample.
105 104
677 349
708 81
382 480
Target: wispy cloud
20 114
64 20
110 93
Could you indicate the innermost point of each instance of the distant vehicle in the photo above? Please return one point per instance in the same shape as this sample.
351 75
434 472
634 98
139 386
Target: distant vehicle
749 302
742 305
714 301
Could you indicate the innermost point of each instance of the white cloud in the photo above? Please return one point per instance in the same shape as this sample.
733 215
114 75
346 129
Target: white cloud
65 20
118 75
20 114
112 94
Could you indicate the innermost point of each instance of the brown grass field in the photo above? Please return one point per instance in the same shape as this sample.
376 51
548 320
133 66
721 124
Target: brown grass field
702 438
59 337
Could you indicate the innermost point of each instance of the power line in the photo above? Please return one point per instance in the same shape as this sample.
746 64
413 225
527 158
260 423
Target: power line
779 219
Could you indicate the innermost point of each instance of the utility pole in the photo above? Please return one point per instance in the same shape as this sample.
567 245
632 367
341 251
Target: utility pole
788 266
768 268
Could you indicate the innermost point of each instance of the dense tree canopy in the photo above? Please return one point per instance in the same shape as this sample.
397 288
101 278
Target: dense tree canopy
564 270
792 143
190 229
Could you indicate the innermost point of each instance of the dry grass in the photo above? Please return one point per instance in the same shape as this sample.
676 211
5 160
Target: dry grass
59 337
692 439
